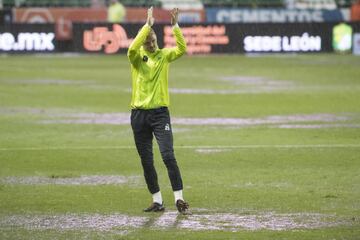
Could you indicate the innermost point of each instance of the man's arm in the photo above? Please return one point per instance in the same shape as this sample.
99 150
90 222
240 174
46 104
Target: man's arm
180 49
133 51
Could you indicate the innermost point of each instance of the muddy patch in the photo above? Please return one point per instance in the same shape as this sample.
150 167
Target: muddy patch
277 185
254 80
263 89
260 121
47 82
211 150
66 116
317 126
82 180
24 110
91 118
124 119
267 221
258 84
95 222
198 221
200 91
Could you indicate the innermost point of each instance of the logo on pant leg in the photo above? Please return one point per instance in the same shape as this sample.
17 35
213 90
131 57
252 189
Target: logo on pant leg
167 127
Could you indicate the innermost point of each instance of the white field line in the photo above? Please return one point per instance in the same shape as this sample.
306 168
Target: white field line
187 147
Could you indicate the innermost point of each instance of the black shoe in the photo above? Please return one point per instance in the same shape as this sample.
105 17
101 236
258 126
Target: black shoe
182 207
155 207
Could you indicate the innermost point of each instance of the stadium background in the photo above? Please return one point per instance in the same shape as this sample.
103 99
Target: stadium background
211 26
265 113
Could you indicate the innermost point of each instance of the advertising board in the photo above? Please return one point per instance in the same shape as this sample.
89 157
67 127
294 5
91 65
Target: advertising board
356 41
200 38
25 38
250 15
214 38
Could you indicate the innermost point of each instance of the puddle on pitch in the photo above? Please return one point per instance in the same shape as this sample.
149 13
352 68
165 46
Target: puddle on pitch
304 121
81 180
211 150
200 220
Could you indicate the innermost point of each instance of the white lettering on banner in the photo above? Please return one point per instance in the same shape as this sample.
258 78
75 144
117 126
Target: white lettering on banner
112 41
303 43
189 17
265 16
199 39
6 41
356 46
27 42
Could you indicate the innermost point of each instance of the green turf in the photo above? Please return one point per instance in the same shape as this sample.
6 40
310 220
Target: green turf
241 180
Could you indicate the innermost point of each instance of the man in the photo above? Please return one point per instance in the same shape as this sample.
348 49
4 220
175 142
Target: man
116 12
150 101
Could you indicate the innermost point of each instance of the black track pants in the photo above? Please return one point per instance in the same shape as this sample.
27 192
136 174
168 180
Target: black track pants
145 124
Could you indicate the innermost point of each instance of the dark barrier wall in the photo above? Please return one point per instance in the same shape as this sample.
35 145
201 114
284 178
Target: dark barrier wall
27 38
203 38
5 17
213 38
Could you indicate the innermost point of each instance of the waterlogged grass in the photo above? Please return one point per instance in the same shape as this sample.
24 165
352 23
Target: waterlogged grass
148 233
253 177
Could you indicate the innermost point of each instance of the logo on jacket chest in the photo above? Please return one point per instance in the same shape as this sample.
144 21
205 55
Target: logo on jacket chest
153 60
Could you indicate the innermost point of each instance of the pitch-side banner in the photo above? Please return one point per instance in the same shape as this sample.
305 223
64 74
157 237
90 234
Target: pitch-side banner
253 15
106 38
214 38
27 38
5 16
115 38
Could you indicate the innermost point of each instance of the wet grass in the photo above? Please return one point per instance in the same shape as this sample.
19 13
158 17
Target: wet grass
243 181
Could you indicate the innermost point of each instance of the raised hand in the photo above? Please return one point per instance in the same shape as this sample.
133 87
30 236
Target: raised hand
174 16
150 19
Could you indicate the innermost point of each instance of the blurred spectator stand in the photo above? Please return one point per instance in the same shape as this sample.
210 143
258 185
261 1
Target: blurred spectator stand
116 12
355 11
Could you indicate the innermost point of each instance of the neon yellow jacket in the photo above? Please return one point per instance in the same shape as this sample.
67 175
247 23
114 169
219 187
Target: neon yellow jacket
149 71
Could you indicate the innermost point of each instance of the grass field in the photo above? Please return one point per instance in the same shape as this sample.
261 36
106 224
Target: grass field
268 146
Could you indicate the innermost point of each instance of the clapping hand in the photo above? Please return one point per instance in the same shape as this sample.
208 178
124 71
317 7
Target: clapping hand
174 16
150 19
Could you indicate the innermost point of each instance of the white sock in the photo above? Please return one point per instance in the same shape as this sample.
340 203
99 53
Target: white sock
157 197
178 195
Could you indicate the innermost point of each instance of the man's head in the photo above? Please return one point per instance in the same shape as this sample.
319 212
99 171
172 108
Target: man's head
150 43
